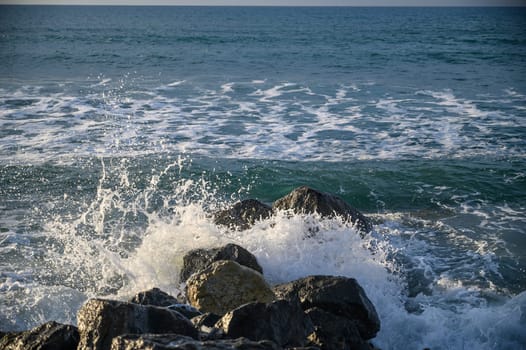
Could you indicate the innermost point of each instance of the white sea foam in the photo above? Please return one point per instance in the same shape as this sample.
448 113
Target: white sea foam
265 121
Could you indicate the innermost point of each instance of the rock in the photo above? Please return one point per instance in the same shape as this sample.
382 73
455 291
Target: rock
341 296
99 321
174 341
198 259
186 310
281 321
225 285
307 200
154 297
207 319
48 336
332 332
243 215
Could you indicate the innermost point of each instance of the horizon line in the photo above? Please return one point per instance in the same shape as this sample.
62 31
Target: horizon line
251 5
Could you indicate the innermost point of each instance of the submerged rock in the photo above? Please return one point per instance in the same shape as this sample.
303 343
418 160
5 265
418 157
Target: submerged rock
50 335
225 285
174 341
281 321
99 321
243 214
340 296
199 259
307 200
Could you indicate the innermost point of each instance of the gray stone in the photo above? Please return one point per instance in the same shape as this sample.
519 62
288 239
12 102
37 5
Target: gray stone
305 200
99 321
332 332
48 336
174 341
225 285
341 296
281 321
207 319
198 259
243 215
186 310
154 297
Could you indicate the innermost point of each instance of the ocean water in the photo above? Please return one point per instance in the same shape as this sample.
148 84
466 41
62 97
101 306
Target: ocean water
123 128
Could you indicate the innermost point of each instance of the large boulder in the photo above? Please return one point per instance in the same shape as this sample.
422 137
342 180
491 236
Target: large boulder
48 336
99 321
281 321
341 296
305 200
332 332
225 285
174 341
243 215
198 259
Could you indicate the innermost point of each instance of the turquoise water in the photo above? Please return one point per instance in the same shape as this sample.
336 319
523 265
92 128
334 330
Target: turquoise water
124 128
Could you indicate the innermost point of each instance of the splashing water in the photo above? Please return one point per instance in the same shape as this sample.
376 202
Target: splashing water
131 233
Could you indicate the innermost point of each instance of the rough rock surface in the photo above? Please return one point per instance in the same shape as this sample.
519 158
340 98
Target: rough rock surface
307 200
332 332
198 259
186 310
174 341
225 285
243 214
48 336
99 321
154 297
281 321
207 319
341 296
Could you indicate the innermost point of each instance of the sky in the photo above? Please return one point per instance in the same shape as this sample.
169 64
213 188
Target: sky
278 2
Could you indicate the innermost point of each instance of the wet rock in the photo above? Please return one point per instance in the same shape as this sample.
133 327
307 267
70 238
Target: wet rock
174 341
281 321
99 321
225 285
154 297
243 214
332 332
198 259
207 319
186 310
307 200
48 336
341 296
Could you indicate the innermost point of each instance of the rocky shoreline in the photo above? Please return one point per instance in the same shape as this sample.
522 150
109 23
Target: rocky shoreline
227 303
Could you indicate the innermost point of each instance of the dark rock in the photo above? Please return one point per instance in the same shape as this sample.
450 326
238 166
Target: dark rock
243 215
207 319
341 296
205 323
186 310
48 336
174 341
305 200
281 321
199 259
99 321
154 297
225 285
332 332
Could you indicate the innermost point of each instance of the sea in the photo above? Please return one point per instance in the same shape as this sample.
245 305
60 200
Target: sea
123 129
